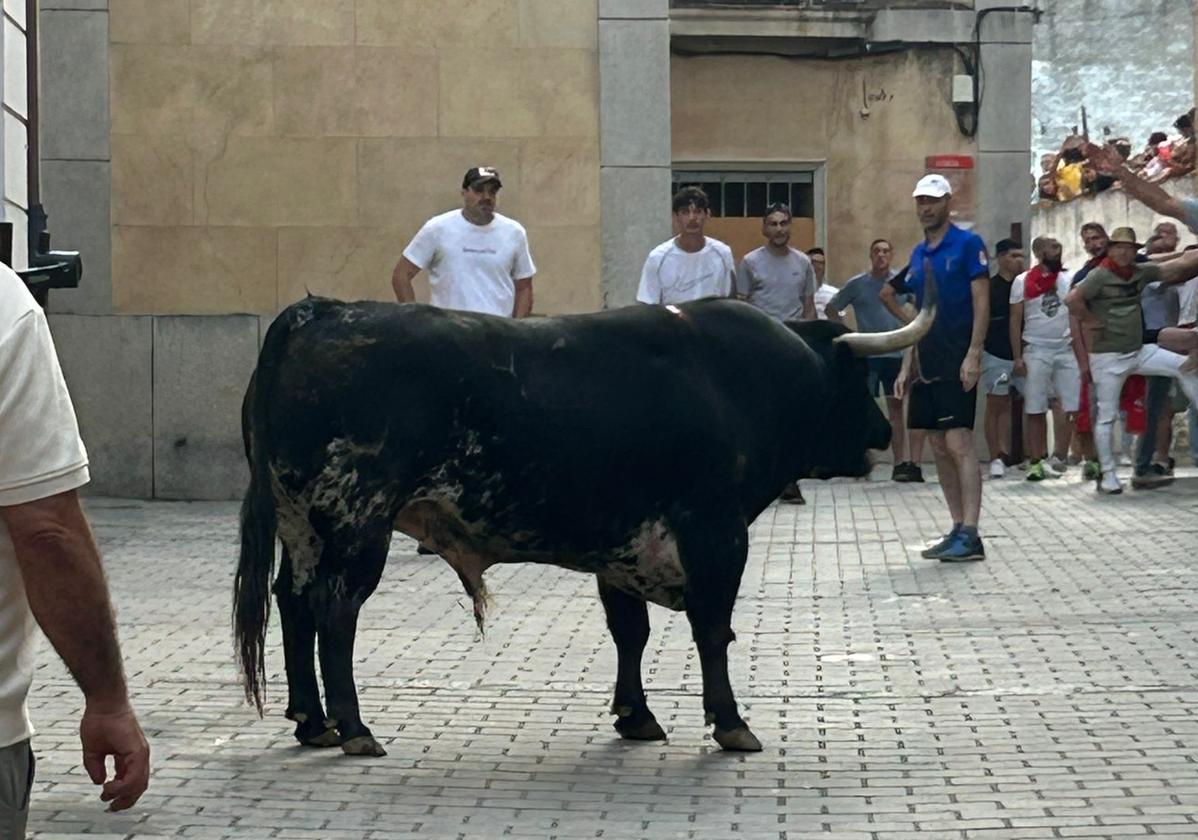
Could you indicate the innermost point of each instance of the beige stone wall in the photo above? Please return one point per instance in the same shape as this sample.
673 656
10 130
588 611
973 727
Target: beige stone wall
261 149
758 109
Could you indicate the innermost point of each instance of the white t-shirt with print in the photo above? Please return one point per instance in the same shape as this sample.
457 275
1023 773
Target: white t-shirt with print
41 455
1045 318
823 296
672 275
473 268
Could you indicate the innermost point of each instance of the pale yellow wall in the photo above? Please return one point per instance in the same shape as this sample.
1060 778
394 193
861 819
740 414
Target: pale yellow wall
261 149
759 108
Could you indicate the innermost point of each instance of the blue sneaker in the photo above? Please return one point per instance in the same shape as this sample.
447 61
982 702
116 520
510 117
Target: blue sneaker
964 548
932 552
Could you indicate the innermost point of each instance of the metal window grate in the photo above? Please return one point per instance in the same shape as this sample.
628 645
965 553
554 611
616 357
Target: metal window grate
747 194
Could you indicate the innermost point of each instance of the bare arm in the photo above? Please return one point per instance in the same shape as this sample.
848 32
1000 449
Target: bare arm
809 310
401 280
1016 332
523 298
1107 160
1077 338
65 586
971 368
889 298
1181 269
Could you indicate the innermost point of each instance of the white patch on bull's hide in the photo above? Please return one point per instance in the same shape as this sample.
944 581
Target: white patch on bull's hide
335 492
649 567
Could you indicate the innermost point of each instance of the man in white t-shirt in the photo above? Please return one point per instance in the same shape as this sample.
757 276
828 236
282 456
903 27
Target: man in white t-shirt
824 292
477 259
50 571
690 265
1043 346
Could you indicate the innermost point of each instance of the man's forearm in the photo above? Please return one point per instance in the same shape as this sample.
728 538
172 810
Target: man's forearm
1149 194
65 586
1180 270
523 299
890 301
980 289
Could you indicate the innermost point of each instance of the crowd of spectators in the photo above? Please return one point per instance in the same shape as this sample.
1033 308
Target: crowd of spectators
1069 173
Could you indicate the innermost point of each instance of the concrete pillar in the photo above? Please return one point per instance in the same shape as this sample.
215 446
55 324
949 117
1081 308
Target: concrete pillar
634 139
1003 187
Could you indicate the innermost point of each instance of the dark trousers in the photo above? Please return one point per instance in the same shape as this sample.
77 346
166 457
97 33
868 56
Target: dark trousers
16 780
1156 404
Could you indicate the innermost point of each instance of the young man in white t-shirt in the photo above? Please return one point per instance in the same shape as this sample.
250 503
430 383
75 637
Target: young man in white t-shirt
477 259
1043 346
690 265
824 291
50 571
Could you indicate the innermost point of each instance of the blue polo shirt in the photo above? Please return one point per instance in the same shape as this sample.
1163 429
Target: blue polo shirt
958 258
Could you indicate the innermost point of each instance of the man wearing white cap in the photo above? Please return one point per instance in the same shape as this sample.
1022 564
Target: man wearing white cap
944 368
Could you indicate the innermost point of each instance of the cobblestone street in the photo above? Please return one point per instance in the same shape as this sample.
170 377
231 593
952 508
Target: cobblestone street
1048 692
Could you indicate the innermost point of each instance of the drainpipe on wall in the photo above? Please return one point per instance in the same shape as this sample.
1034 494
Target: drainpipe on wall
47 269
37 214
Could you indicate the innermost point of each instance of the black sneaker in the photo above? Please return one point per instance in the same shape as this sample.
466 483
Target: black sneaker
1154 475
965 548
907 471
792 495
933 552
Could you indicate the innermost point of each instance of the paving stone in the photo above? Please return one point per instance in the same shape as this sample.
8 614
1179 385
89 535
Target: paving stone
1048 692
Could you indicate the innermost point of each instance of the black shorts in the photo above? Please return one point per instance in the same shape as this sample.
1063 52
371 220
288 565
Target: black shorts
882 372
941 405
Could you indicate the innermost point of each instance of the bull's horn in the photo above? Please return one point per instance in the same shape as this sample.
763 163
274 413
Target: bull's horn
877 344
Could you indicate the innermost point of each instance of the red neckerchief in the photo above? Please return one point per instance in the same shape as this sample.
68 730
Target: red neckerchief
1039 281
1123 273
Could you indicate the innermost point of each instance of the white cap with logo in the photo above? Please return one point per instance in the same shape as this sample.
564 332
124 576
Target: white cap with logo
933 186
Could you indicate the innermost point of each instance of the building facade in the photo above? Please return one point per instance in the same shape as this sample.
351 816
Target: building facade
215 160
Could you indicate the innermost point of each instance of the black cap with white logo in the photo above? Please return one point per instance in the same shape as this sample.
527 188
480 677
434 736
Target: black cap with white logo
480 175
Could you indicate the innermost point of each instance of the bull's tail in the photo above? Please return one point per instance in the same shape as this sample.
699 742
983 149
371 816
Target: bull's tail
259 522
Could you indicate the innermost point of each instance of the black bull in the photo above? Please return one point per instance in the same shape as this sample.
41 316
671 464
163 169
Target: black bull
636 445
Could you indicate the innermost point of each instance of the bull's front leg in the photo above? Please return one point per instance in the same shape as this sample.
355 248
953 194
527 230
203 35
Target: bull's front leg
628 621
713 554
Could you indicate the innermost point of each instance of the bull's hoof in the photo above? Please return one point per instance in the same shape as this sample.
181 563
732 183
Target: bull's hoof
363 745
738 740
328 738
646 729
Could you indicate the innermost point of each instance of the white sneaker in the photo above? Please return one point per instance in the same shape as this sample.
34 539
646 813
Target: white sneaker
1058 464
997 468
1109 484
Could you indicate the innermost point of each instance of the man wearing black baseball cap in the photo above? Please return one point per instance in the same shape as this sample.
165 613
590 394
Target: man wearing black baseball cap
477 259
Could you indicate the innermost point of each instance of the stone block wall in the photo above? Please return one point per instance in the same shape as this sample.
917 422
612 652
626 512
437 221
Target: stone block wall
215 160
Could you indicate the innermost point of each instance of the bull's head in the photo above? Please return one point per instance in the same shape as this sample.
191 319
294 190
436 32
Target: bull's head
855 424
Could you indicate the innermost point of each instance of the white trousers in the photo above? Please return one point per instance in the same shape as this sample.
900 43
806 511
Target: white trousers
1110 371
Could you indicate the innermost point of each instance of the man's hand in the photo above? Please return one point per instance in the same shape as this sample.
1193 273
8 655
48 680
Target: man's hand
115 733
971 368
1019 368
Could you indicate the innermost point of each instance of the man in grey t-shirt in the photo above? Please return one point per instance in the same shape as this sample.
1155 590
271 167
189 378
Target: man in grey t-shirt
862 294
777 278
780 281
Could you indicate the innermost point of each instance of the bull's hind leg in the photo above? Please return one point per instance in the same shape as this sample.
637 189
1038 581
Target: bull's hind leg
713 554
299 651
628 620
359 567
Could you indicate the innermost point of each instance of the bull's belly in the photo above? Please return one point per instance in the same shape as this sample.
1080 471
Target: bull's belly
646 565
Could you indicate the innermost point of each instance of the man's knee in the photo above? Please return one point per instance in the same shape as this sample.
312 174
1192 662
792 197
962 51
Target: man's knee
960 442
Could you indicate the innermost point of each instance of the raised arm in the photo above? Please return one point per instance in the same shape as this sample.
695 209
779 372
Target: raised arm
1110 162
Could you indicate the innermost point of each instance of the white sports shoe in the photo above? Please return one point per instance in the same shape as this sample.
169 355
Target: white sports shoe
1109 484
1058 465
997 468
